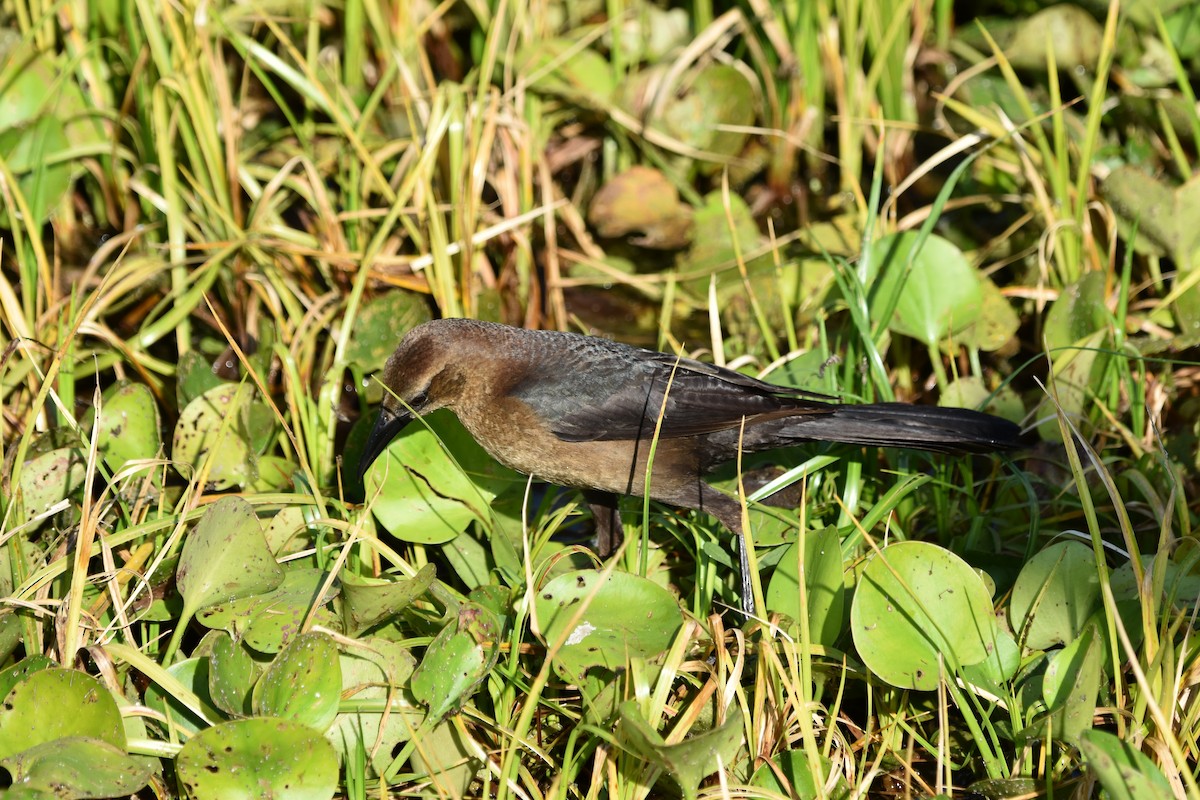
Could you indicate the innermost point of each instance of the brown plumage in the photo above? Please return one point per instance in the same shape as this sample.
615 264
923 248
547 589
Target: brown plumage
581 411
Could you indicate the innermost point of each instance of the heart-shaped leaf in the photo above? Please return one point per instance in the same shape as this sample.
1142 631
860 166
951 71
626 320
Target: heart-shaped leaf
225 557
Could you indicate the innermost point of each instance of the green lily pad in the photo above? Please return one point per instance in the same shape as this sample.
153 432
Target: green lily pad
1055 594
77 768
1079 312
998 322
18 672
212 428
376 670
969 392
1072 683
34 153
626 617
916 606
1164 215
35 87
232 673
1076 37
716 98
447 760
799 780
1002 662
288 532
823 583
1074 369
936 291
651 34
641 202
258 758
129 427
380 323
225 557
1123 771
714 241
83 708
420 493
50 478
192 674
303 683
563 68
193 377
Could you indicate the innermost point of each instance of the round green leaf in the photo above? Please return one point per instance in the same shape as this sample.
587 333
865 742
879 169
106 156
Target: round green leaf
998 321
303 683
82 708
34 154
717 98
969 392
823 583
225 557
192 674
379 324
258 758
1079 312
211 428
129 426
626 617
643 202
232 673
49 478
561 68
194 376
915 602
797 771
1002 662
431 483
1072 683
1056 592
687 762
1075 373
936 291
79 768
18 672
1124 771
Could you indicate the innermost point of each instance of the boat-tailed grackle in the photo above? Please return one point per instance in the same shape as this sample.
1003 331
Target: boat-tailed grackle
583 412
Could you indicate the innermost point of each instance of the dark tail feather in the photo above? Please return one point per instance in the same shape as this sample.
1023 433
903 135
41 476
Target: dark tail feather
945 430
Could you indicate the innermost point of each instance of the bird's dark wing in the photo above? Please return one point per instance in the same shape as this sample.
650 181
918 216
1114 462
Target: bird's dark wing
604 391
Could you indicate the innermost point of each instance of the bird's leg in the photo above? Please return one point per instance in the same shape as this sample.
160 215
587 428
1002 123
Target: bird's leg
610 533
732 519
728 512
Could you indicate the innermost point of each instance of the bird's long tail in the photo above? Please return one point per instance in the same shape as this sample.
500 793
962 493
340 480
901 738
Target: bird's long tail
948 430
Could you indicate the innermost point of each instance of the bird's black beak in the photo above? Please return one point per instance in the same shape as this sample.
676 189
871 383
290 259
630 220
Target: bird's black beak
386 427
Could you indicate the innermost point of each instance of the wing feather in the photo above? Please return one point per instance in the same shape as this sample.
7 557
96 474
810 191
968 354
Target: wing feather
606 391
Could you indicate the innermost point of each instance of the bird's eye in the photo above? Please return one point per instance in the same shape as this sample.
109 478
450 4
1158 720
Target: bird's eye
419 399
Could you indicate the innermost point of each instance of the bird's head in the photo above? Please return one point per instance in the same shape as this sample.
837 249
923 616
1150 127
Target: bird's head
421 376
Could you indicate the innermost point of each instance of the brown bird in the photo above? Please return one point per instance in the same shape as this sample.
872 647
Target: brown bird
583 412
